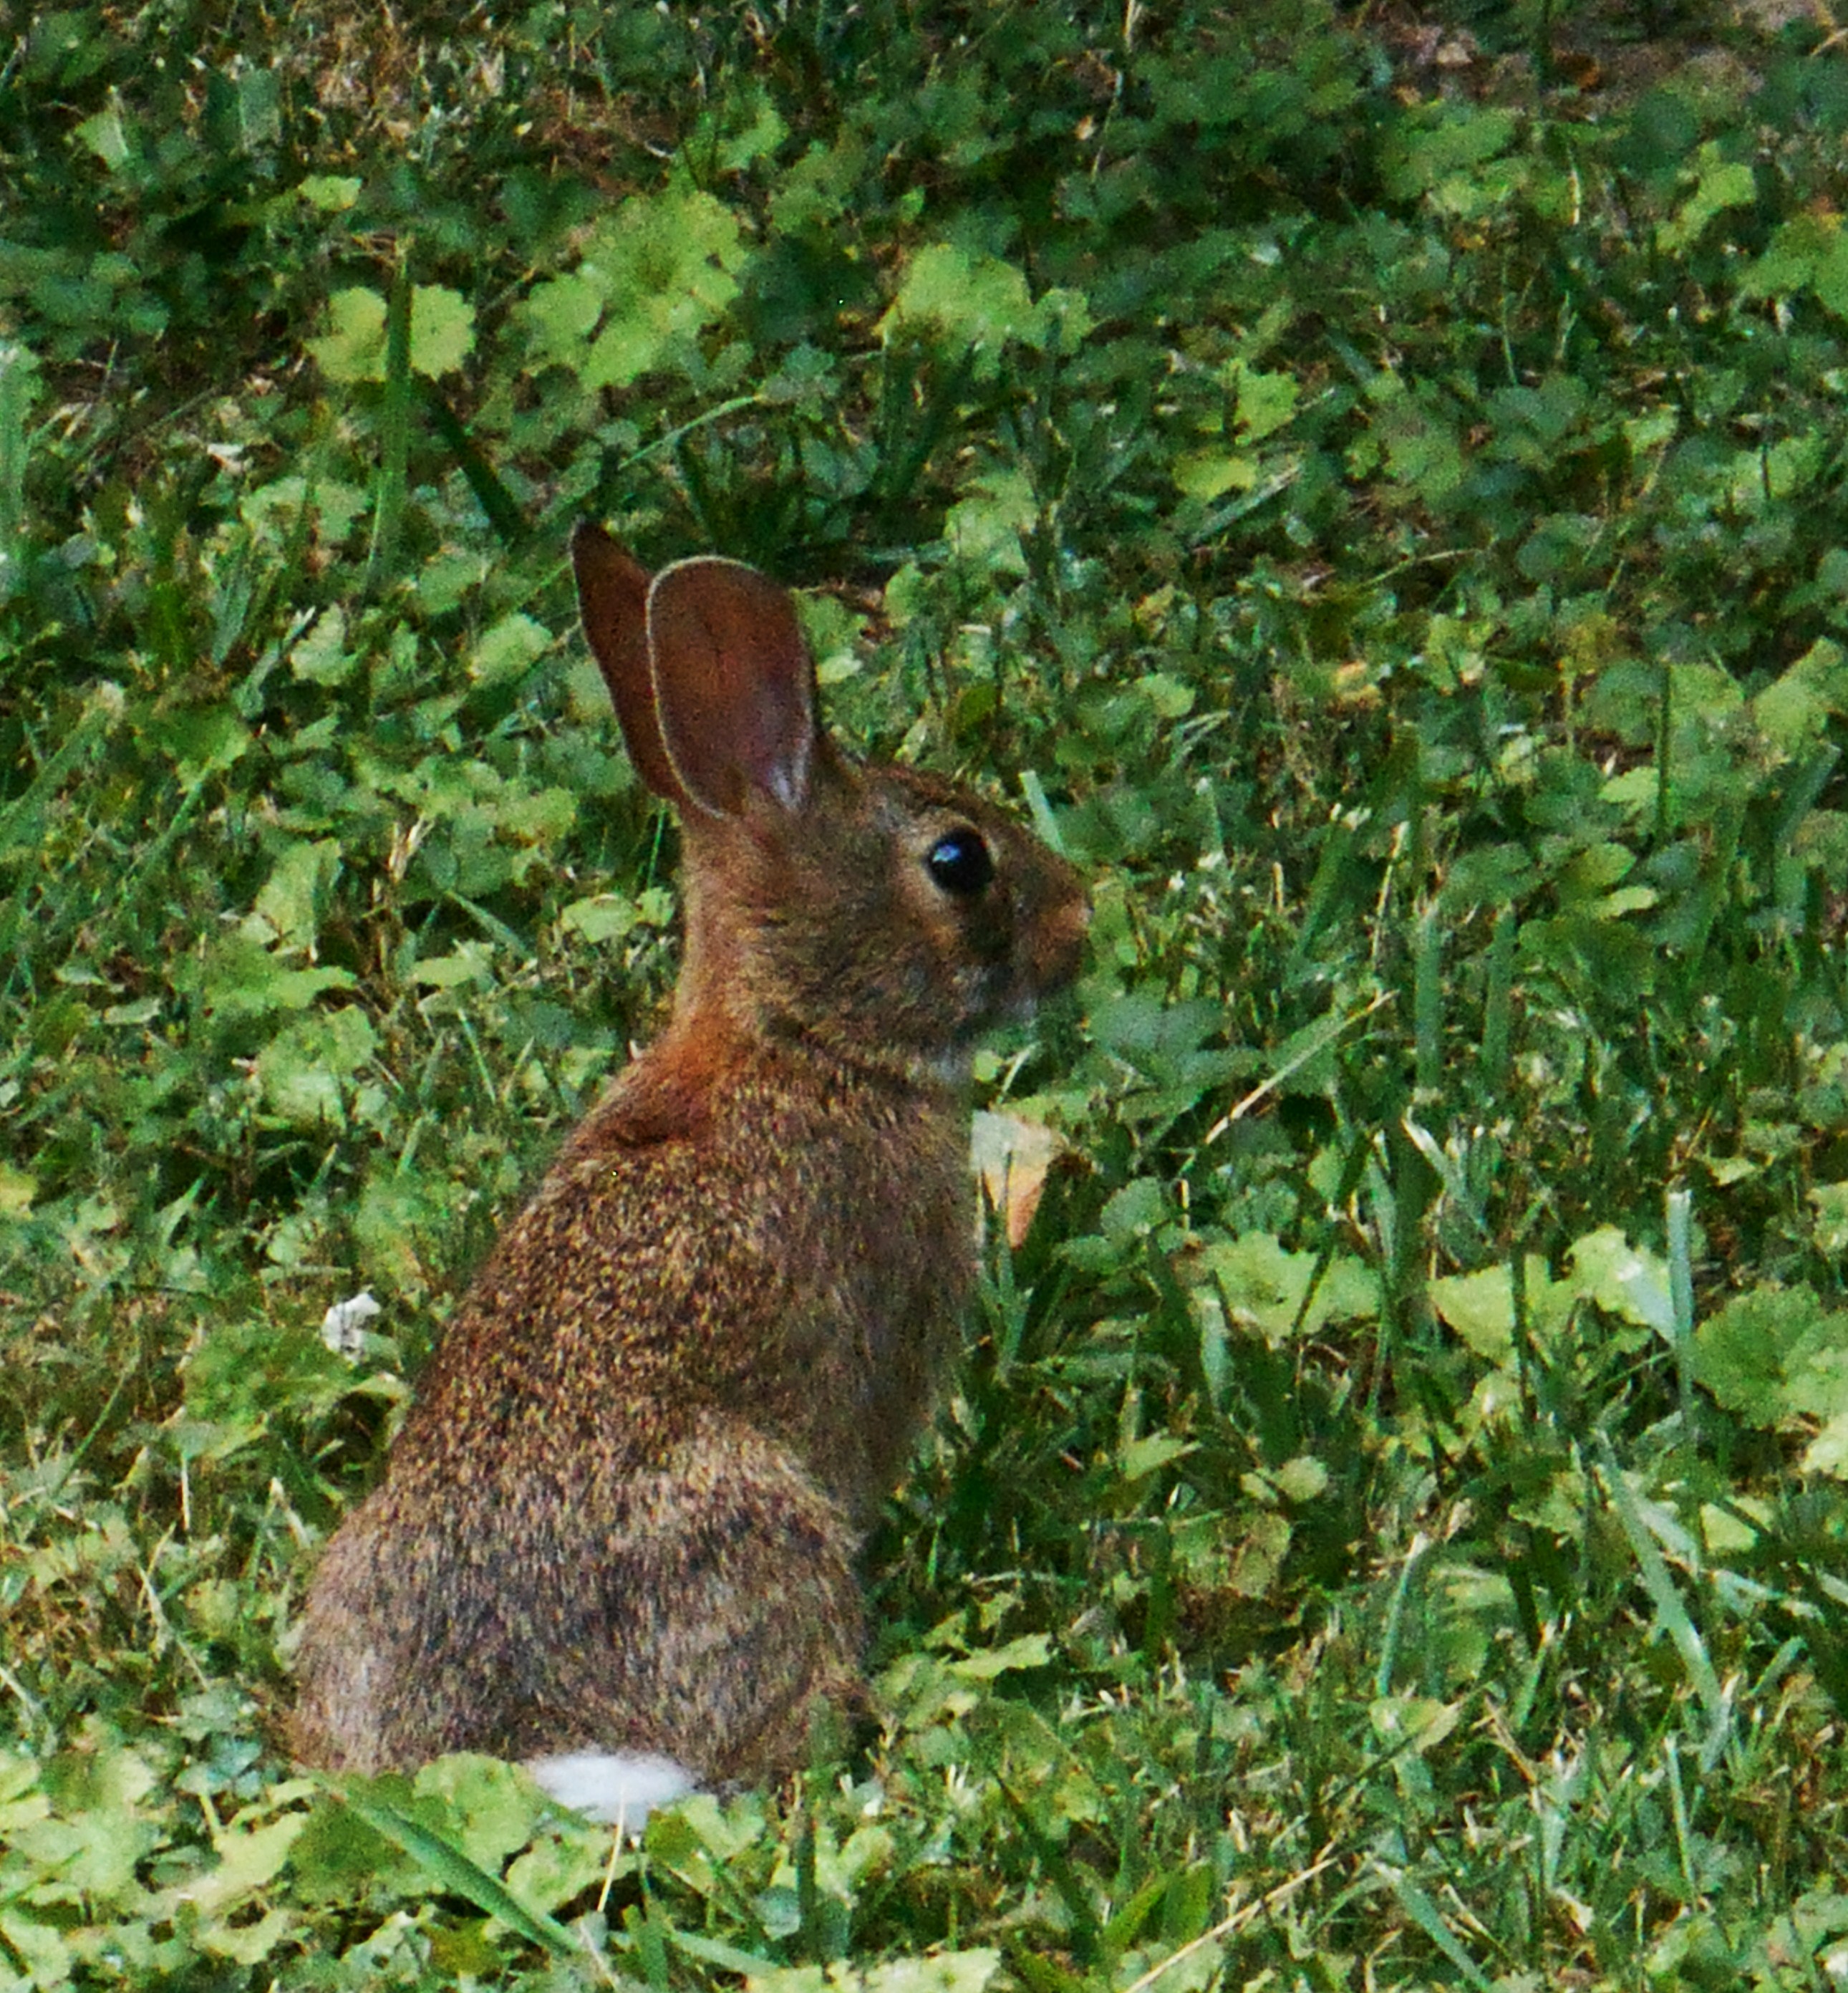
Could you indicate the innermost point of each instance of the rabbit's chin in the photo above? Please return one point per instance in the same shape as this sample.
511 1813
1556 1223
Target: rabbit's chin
619 1787
953 1068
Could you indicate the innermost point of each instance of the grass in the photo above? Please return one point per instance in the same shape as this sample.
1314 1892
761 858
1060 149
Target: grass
1390 1529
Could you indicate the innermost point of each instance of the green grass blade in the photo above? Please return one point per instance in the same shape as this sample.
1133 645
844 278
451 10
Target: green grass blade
456 1872
1497 1004
390 486
1681 1296
18 389
725 1957
1395 1616
1423 1912
1672 1615
1427 998
489 488
1059 1872
22 821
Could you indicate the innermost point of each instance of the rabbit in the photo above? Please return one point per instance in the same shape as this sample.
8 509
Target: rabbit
617 1534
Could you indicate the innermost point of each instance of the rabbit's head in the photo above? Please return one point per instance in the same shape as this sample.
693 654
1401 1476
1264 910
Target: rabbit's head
876 912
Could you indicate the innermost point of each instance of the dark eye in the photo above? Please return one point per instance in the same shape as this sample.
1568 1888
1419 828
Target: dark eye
961 863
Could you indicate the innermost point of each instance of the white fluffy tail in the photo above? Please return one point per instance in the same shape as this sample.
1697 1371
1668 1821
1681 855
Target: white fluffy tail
622 1787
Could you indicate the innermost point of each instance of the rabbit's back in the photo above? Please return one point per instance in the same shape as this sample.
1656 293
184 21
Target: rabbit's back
625 1507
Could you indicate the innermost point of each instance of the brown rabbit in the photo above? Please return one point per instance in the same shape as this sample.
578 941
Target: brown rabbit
616 1535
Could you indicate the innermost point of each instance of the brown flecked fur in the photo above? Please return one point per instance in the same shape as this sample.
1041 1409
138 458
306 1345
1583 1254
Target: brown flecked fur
624 1511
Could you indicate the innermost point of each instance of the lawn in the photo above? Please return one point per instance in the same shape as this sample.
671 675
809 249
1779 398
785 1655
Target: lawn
1370 489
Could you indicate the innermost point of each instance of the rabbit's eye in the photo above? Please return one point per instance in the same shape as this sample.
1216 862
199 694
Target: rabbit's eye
961 863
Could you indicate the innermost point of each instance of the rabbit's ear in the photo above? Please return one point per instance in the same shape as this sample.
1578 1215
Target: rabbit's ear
612 600
734 686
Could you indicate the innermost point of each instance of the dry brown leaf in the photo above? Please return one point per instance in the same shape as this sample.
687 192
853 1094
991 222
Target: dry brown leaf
1011 1156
